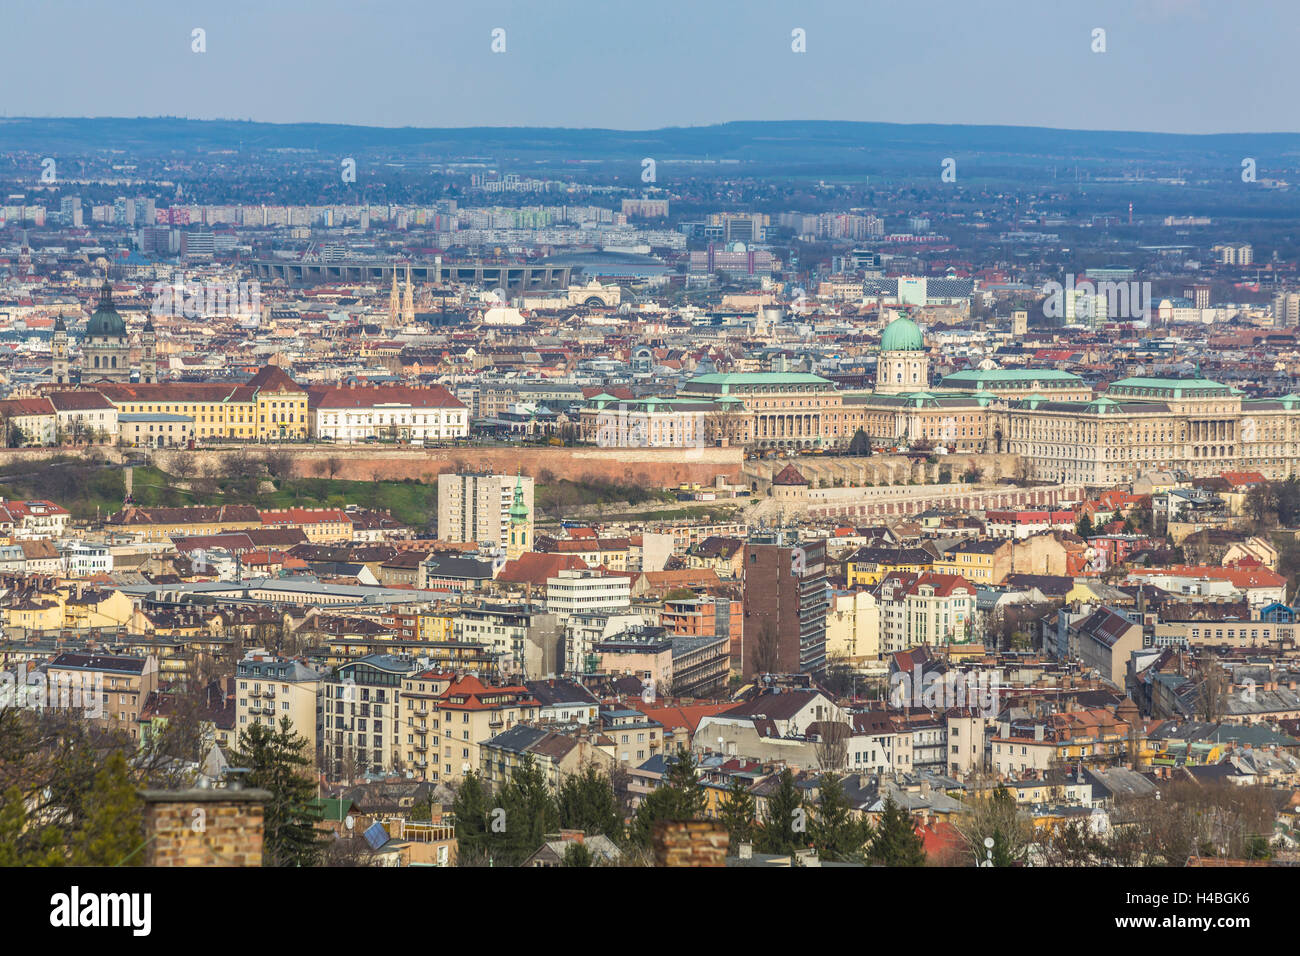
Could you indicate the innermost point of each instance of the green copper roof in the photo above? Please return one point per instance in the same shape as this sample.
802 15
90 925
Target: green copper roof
1011 376
105 321
759 378
1170 387
902 335
723 382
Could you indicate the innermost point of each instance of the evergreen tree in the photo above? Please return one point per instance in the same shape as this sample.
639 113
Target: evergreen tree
1083 528
835 833
575 854
736 811
471 810
680 798
16 849
784 827
530 814
279 761
586 802
684 781
860 444
896 842
112 832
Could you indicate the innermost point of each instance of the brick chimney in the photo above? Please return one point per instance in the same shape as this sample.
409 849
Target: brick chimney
690 843
203 827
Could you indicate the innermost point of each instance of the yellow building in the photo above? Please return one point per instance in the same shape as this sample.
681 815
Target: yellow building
270 406
320 525
36 613
980 562
65 608
867 566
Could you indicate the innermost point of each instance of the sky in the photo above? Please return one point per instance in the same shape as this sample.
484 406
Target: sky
1182 66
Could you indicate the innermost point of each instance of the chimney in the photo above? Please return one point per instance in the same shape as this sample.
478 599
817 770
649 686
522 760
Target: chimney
690 843
230 835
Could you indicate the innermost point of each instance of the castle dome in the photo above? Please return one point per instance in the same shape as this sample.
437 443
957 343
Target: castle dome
902 335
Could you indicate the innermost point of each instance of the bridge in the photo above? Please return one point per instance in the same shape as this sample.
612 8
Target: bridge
487 273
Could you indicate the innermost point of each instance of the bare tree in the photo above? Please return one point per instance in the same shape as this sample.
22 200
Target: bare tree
1216 684
833 742
995 817
181 465
278 462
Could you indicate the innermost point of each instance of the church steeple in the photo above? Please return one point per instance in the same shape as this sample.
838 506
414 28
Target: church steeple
520 526
408 300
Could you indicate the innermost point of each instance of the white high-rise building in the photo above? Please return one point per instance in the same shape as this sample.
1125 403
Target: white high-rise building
574 591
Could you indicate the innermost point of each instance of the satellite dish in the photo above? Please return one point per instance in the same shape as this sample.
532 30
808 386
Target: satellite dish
349 822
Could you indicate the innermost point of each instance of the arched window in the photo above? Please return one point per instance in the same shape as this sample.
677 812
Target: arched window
96 361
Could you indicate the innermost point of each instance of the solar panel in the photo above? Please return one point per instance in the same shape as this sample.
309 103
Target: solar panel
376 835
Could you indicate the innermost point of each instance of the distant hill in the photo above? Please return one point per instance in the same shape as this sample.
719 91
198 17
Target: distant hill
843 145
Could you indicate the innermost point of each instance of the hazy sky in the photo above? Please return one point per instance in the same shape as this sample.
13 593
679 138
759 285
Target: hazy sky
1188 66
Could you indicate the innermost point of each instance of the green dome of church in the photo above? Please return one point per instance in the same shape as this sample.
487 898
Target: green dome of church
902 335
105 322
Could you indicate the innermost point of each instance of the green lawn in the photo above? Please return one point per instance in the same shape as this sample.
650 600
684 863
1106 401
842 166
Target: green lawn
90 488
87 489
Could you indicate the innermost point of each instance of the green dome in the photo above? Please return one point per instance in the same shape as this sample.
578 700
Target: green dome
902 335
105 321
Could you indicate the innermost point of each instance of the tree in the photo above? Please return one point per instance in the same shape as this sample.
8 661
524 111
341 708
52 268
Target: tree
471 811
1074 844
1216 684
586 802
736 812
860 444
67 791
576 854
833 742
530 814
279 761
1287 495
998 818
20 843
681 797
278 462
836 834
1261 505
785 825
895 841
1083 527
